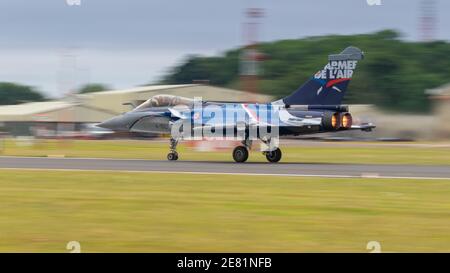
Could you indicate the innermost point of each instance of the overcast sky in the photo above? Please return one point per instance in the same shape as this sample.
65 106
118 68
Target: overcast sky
55 47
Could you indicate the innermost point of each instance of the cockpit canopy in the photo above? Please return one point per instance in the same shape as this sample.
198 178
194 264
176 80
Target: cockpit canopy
165 101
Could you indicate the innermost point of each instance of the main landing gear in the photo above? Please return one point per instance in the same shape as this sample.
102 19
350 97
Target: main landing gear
240 153
173 155
273 156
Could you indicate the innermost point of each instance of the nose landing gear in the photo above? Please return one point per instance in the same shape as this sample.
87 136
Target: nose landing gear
173 155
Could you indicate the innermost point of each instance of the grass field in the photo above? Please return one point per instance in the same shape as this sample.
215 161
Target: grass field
111 211
338 153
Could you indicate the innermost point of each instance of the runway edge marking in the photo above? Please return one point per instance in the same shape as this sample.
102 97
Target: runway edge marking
243 174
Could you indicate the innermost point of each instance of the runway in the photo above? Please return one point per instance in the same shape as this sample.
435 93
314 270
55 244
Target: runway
249 168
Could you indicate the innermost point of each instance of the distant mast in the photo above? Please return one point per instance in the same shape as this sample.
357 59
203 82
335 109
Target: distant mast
250 57
428 20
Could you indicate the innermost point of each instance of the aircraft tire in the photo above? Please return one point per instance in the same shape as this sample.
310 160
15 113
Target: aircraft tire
274 156
240 154
172 156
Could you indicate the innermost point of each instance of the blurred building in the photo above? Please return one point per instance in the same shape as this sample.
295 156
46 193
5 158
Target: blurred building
390 126
67 116
48 118
433 126
441 110
113 100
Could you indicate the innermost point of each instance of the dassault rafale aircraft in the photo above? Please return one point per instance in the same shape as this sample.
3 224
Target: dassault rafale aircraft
314 108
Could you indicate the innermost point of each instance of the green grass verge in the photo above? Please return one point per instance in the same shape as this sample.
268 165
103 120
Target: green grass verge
112 211
348 153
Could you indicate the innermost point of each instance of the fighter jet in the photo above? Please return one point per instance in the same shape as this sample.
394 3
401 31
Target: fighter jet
315 107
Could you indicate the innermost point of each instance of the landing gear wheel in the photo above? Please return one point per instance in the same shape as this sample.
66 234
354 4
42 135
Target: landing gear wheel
172 156
274 156
240 154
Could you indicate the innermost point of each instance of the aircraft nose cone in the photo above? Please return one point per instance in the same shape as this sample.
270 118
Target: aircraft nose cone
114 124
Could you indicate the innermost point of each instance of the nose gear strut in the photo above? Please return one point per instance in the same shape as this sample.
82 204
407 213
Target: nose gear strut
173 155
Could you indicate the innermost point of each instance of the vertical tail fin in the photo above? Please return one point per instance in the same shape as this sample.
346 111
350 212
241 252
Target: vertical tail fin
328 86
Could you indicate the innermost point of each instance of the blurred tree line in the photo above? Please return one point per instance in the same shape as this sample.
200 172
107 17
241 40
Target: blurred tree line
394 74
93 87
12 93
